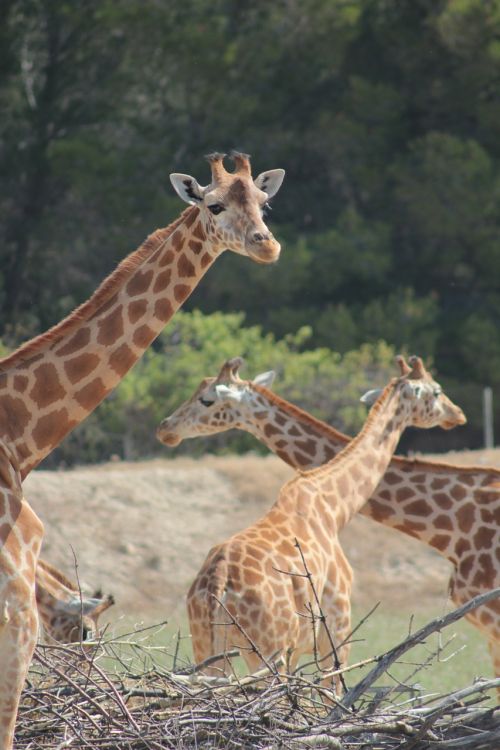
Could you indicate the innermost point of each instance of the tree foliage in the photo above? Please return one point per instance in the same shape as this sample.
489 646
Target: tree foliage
385 114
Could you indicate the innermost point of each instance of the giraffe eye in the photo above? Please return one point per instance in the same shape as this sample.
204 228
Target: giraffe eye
206 402
216 208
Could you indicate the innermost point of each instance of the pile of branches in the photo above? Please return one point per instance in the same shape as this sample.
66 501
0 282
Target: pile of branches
90 697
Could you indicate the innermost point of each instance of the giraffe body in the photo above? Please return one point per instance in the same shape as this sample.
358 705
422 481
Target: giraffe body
258 571
51 383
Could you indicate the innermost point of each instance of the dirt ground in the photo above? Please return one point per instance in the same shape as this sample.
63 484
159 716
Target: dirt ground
141 530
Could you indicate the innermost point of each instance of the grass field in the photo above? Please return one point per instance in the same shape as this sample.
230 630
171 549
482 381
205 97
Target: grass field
462 653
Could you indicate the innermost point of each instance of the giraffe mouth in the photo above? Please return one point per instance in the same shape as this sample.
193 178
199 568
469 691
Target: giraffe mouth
264 252
168 438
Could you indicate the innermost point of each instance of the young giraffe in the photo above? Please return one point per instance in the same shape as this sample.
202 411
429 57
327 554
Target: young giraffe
51 383
66 616
453 509
246 573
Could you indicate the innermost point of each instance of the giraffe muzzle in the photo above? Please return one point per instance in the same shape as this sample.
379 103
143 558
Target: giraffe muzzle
167 438
266 250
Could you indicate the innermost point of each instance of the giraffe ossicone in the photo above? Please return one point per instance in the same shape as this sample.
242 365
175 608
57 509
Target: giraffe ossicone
51 383
245 578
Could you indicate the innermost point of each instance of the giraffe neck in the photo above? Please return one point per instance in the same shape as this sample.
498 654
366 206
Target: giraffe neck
430 501
355 472
50 384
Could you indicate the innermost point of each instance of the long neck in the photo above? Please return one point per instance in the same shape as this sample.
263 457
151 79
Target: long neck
351 477
298 438
53 382
430 501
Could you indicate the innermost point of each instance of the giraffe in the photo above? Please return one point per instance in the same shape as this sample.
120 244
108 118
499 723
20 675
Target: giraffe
244 576
453 509
66 616
51 383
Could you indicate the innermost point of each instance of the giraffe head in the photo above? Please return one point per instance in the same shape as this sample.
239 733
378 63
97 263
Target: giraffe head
232 206
73 619
426 404
216 405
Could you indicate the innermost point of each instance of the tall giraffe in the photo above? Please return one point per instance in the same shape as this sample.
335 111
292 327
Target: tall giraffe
245 573
65 614
51 383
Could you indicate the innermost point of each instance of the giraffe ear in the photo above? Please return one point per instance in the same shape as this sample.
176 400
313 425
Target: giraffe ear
230 393
370 397
187 188
265 378
270 181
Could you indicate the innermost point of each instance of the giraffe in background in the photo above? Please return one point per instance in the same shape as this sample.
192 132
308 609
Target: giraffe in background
65 614
244 576
51 383
453 509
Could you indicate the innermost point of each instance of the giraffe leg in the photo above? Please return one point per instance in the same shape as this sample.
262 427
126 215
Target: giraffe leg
18 611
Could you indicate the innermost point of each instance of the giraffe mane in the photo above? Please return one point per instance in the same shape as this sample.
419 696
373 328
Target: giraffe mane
102 294
296 411
57 575
350 447
328 431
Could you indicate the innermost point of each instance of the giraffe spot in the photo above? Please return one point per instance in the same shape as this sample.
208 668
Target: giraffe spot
47 387
139 283
458 492
205 260
20 383
261 415
391 478
162 281
440 541
166 259
443 500
137 309
280 419
177 240
486 617
195 246
488 517
154 257
191 217
404 493
143 336
51 428
379 511
463 545
91 394
280 444
122 359
110 327
5 529
199 232
439 484
419 478
163 310
3 381
443 522
181 291
483 539
300 460
79 367
294 431
251 576
16 416
418 508
467 479
184 266
465 517
308 446
75 343
465 566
